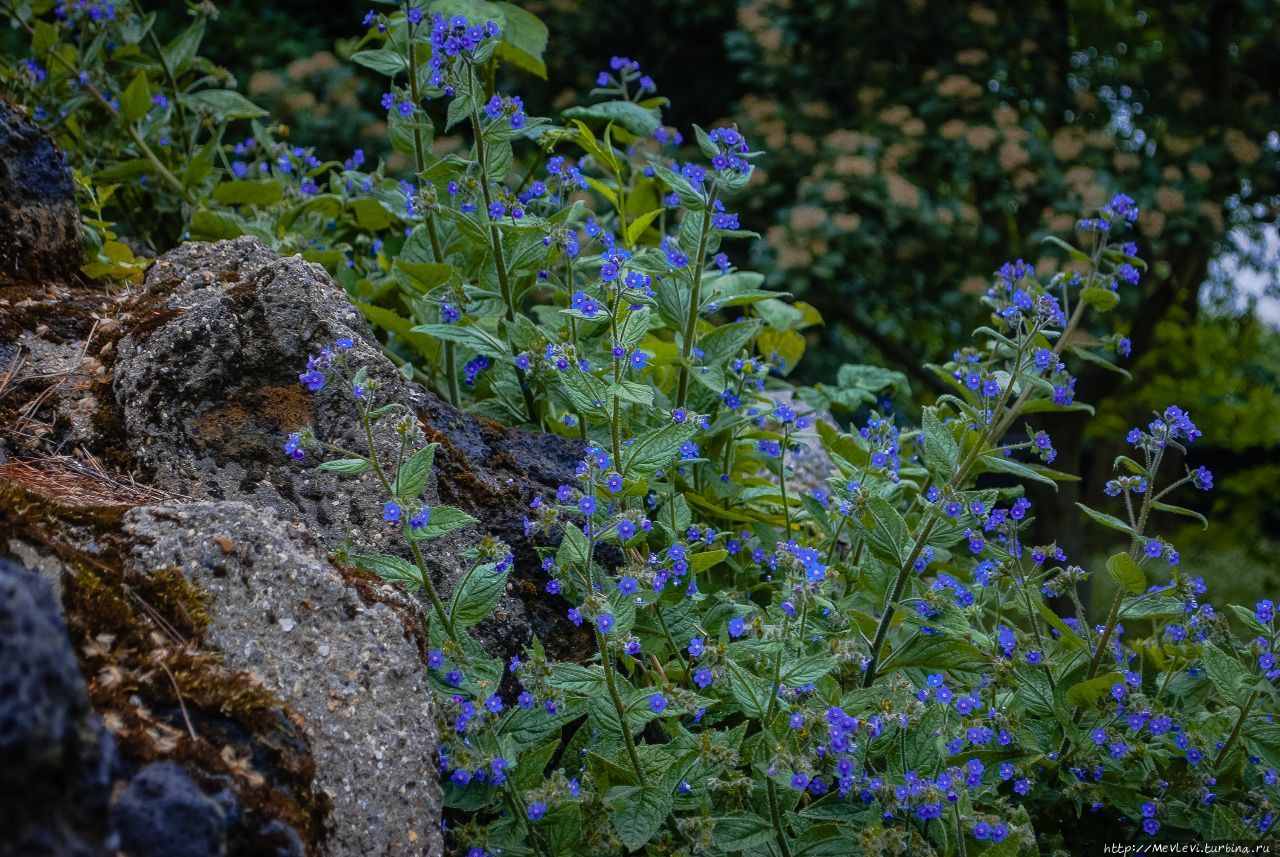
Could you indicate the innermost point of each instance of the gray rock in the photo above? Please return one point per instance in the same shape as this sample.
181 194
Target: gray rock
163 813
55 758
38 215
207 384
280 610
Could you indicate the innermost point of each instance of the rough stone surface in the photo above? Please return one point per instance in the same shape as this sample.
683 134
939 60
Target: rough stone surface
163 813
212 626
280 610
38 215
207 384
55 759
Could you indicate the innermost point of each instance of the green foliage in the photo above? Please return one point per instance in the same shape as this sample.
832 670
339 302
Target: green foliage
789 658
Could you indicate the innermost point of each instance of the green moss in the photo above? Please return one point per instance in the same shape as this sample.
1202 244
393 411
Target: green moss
161 693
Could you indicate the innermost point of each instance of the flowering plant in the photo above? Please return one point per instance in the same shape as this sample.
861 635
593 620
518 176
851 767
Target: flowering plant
809 637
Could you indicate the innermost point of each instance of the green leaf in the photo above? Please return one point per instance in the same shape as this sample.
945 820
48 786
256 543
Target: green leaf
444 520
383 61
743 832
415 472
1106 520
1067 636
750 690
586 392
135 101
1250 619
637 227
641 121
533 763
225 102
390 567
1100 299
346 466
657 448
573 549
469 335
1125 571
371 215
1178 510
999 464
887 532
940 653
807 670
1098 360
1226 673
476 595
702 561
577 679
401 327
941 452
180 53
728 340
1088 692
637 812
524 39
422 276
248 192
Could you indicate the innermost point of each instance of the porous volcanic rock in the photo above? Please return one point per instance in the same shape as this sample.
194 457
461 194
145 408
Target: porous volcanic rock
279 610
207 385
55 758
38 215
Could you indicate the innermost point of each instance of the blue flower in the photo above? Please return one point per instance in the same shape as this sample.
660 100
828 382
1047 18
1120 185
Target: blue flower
604 622
537 810
702 678
657 703
587 505
737 626
696 647
391 512
627 585
293 447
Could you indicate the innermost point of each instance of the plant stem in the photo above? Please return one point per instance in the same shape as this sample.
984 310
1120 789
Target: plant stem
1235 731
776 817
695 302
610 680
499 260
